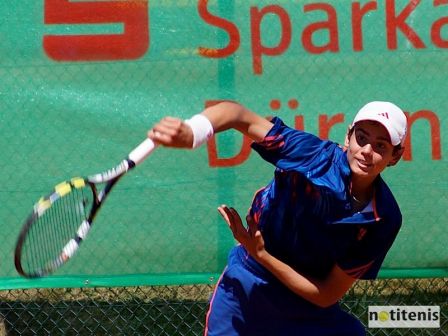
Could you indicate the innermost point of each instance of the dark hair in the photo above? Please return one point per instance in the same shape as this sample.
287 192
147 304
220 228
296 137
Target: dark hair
397 148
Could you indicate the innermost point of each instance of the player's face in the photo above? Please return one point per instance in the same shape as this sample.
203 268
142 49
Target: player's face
369 149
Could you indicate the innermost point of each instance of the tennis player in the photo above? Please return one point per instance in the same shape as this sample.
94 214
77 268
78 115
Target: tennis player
326 219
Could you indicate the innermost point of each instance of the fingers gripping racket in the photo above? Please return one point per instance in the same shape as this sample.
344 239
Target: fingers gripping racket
60 221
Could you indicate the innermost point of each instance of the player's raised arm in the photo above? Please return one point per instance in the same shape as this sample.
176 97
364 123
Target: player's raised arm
191 133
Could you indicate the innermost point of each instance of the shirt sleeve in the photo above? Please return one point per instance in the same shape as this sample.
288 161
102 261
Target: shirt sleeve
290 149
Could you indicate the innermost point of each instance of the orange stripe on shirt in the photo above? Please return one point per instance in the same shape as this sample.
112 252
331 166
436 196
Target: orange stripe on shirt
375 212
358 272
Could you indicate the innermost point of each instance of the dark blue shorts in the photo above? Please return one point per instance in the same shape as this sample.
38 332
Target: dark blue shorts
248 302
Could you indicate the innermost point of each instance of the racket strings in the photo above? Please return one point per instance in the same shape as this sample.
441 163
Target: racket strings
54 229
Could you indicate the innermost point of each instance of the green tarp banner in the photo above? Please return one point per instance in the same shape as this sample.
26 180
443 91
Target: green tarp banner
83 81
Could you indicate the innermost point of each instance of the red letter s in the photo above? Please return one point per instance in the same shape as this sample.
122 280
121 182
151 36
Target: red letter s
229 27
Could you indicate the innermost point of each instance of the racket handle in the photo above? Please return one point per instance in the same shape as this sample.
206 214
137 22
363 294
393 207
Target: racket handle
142 151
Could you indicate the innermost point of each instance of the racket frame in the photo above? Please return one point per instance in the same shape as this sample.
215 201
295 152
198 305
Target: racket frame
110 177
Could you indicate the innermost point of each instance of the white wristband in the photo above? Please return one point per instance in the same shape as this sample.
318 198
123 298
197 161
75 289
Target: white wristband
202 129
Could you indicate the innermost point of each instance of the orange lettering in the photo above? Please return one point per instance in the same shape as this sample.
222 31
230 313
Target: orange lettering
258 50
331 25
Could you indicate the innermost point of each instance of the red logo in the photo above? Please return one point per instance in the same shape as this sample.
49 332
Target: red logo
131 44
384 114
361 233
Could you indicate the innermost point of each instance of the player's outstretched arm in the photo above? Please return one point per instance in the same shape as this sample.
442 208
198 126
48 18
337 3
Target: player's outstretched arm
322 293
174 132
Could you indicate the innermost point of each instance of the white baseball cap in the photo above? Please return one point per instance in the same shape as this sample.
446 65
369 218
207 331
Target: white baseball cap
387 114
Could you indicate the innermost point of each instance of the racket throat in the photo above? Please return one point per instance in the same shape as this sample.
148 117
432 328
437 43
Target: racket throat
112 173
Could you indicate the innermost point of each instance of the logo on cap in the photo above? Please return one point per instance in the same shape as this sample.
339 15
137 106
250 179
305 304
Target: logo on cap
384 114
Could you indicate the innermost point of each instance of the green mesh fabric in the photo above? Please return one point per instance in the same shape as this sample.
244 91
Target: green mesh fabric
82 82
67 111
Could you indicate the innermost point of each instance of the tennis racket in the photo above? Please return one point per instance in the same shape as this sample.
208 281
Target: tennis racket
59 222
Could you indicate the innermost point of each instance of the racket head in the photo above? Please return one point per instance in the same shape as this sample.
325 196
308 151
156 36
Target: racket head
53 231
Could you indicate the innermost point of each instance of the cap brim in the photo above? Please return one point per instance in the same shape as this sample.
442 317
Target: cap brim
393 135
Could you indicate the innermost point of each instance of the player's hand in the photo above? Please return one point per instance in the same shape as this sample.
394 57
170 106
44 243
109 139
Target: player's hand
172 132
249 237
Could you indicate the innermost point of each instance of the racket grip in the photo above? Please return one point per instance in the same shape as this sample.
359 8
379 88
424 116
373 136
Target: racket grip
142 151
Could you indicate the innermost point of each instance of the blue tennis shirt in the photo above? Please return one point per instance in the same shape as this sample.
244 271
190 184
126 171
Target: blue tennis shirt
305 213
307 221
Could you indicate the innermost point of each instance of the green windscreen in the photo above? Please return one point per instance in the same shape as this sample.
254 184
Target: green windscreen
83 82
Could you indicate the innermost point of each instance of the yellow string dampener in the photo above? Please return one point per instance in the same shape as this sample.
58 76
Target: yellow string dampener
78 182
63 189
